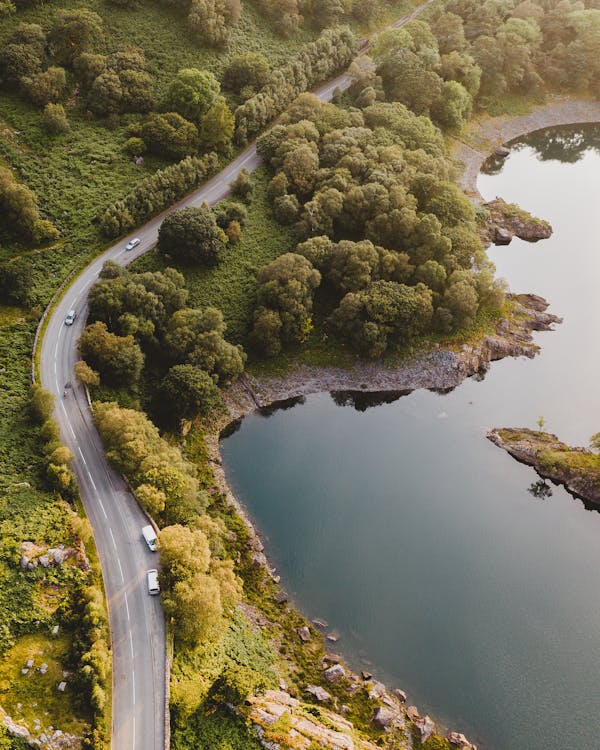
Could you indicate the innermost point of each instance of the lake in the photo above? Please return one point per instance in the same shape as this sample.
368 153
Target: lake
424 544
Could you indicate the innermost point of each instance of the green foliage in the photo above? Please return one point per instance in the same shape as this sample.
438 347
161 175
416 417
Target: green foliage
192 93
118 359
210 21
54 119
319 60
156 192
192 235
20 211
285 296
74 32
189 392
135 448
246 74
382 316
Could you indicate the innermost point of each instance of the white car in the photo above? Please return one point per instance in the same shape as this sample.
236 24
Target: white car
70 319
132 243
153 587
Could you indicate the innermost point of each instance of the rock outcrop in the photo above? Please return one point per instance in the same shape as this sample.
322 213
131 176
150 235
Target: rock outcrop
578 469
283 721
506 220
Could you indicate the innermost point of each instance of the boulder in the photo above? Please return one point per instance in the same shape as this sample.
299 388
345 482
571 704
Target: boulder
502 152
382 717
502 236
61 686
400 694
303 634
281 597
335 673
377 690
58 554
366 675
425 727
44 560
318 692
458 739
413 713
334 636
320 623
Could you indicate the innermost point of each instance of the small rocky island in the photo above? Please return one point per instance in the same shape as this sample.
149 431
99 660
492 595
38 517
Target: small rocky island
503 221
578 469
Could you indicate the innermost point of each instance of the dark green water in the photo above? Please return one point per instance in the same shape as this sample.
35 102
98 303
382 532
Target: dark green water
417 539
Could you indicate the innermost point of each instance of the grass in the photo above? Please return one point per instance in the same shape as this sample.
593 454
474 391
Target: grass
35 695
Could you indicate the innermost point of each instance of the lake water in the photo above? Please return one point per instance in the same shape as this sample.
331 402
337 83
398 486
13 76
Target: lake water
419 540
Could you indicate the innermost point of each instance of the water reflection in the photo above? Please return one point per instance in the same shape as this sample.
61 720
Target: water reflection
363 400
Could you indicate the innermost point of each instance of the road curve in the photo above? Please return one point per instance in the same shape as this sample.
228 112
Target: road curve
136 620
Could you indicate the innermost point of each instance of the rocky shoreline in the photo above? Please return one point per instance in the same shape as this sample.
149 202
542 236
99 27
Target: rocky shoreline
485 134
577 469
440 369
437 369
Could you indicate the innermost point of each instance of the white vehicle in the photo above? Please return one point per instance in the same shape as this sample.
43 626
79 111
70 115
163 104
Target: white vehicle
70 319
132 243
153 587
150 538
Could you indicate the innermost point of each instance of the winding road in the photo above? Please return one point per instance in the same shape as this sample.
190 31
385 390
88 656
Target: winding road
136 620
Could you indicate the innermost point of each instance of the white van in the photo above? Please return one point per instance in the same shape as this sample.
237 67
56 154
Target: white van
153 587
150 537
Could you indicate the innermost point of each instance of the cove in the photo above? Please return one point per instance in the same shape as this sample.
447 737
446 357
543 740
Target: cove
425 545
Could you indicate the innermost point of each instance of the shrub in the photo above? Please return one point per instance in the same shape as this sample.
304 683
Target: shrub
54 119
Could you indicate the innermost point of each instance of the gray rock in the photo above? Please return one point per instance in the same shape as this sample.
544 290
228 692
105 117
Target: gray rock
334 636
16 730
425 727
318 692
400 694
61 686
55 630
502 152
366 675
383 717
502 236
304 634
58 554
458 739
281 597
377 690
335 673
24 670
320 623
29 663
44 560
413 713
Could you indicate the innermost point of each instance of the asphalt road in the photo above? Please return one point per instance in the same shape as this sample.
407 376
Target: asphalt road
136 619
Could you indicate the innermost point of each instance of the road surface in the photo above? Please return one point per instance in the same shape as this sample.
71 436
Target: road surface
136 620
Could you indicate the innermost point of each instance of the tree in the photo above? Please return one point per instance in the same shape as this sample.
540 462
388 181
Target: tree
453 107
16 281
41 403
184 552
191 235
189 391
327 12
85 374
247 73
242 187
191 93
210 21
195 608
48 86
382 316
73 32
54 119
286 288
18 62
151 499
118 359
169 134
218 125
196 337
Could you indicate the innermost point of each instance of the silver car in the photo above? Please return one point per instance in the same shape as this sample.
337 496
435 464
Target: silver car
70 319
132 243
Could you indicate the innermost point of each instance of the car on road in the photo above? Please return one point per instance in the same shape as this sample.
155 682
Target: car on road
132 243
152 576
150 538
70 319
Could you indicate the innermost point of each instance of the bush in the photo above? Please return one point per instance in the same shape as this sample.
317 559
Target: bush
54 119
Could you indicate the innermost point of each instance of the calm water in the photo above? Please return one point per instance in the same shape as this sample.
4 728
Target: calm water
418 540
